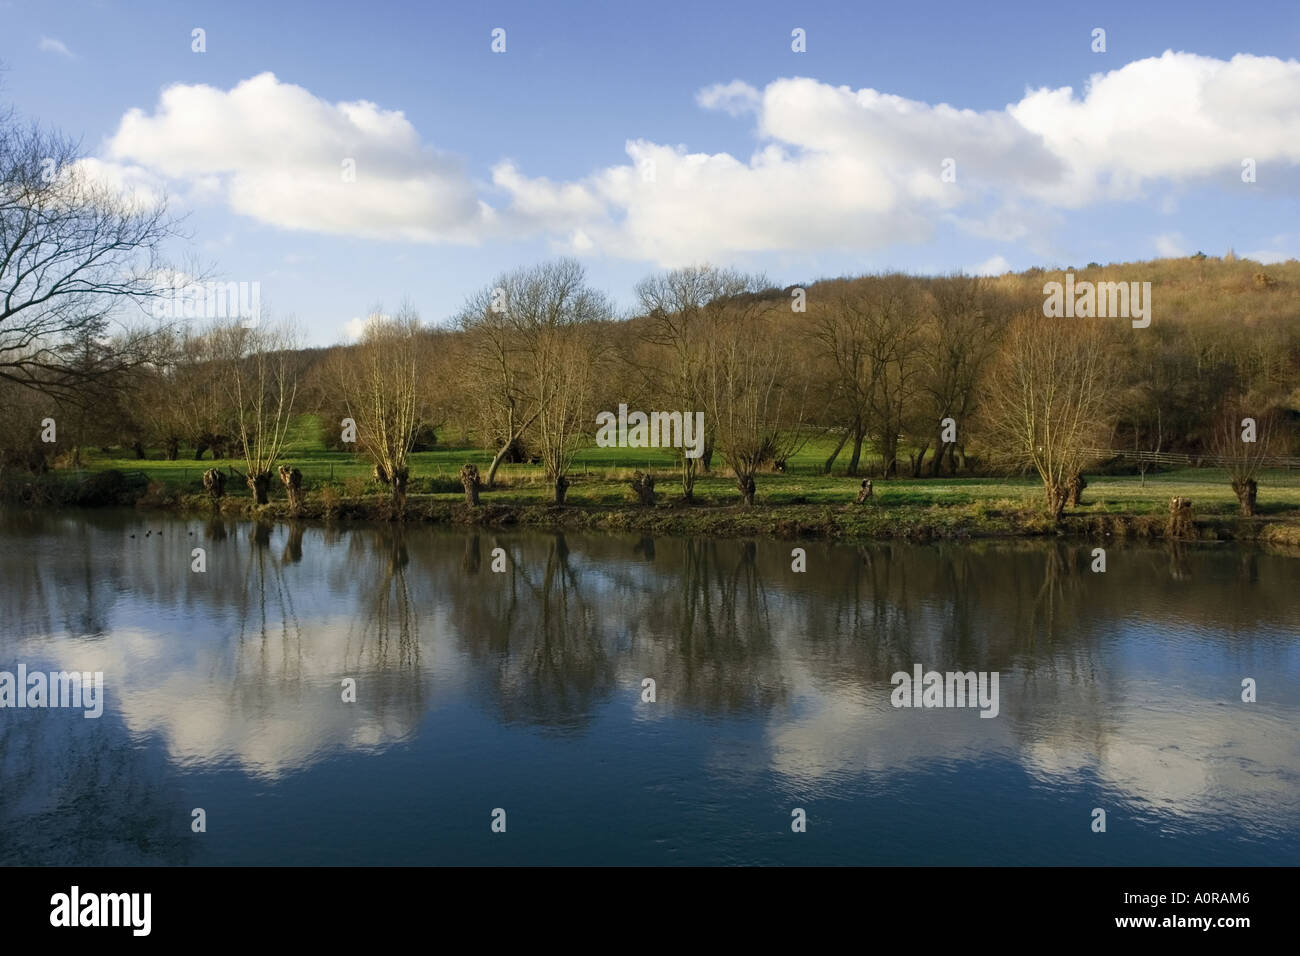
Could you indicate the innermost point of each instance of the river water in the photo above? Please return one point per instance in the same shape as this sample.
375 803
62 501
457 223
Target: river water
524 691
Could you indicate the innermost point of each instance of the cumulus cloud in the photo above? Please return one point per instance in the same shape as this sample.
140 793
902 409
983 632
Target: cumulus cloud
835 169
839 168
285 157
995 266
1176 116
1171 244
133 184
355 328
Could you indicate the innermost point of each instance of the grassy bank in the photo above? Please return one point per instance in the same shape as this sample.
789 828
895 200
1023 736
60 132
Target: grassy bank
788 506
789 521
802 502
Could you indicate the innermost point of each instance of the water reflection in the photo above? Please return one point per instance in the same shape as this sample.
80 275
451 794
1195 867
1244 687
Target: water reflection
1127 681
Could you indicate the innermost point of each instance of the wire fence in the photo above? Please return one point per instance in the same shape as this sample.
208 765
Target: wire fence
1191 461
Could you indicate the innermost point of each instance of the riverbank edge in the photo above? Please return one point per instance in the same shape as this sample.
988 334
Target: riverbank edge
783 521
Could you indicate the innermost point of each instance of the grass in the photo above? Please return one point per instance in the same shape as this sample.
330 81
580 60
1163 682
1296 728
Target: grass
799 502
599 476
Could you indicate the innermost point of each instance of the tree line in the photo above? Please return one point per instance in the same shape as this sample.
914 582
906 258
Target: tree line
891 374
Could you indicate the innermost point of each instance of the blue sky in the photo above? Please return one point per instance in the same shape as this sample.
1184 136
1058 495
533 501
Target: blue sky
500 160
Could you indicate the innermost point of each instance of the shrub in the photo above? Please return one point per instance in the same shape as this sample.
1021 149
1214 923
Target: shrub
434 485
329 498
107 488
426 438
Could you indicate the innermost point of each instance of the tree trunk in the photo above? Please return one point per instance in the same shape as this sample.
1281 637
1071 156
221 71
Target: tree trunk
889 456
1180 518
919 463
214 482
746 485
496 463
690 467
865 492
139 450
561 489
469 480
1056 495
398 480
830 462
173 449
1074 490
260 485
513 437
858 436
292 480
936 463
644 486
1245 489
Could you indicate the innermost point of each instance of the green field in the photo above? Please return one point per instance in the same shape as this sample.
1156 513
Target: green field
599 477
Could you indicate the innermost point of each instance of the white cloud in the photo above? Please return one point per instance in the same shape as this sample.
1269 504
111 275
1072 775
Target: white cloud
995 266
353 328
356 327
1270 256
836 169
1171 245
133 184
1176 116
277 154
51 45
845 169
736 97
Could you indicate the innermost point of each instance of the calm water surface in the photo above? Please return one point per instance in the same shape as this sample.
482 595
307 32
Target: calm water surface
523 690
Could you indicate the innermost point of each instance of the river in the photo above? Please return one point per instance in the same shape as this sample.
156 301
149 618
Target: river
518 698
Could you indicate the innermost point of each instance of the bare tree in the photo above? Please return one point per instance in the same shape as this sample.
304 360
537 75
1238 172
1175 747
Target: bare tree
569 356
757 415
685 307
1243 442
870 332
890 315
1049 400
957 344
1143 462
508 375
181 393
379 381
261 382
841 338
75 256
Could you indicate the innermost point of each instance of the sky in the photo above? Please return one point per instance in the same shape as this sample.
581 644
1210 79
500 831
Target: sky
347 155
